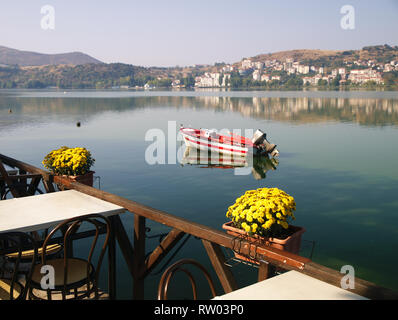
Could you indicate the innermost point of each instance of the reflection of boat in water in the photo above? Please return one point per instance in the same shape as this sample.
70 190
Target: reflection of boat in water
230 143
259 167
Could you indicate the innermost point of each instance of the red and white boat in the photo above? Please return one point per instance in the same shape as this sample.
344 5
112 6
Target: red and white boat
233 144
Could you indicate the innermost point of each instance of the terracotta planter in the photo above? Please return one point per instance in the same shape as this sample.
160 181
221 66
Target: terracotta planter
87 178
291 244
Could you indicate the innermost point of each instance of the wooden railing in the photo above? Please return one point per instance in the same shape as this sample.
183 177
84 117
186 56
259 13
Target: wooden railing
213 241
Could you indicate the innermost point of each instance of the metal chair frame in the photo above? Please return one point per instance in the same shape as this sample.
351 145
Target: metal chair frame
170 271
70 227
18 241
17 184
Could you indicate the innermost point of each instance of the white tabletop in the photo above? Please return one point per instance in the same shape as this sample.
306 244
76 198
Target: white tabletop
291 285
45 210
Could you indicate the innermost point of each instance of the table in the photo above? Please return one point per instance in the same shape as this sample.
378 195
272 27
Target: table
42 211
291 285
46 210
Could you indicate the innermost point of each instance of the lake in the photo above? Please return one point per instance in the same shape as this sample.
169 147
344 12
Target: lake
338 159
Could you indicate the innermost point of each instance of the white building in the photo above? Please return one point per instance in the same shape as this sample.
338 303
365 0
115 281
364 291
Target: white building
247 64
303 69
208 80
364 75
312 80
177 84
388 67
308 80
289 61
226 77
228 68
259 65
267 63
211 80
257 75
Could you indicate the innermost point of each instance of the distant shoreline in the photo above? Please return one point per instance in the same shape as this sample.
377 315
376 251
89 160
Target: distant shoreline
109 93
212 89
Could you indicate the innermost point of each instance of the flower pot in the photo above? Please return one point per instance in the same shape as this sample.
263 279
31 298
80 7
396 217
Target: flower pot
87 178
291 244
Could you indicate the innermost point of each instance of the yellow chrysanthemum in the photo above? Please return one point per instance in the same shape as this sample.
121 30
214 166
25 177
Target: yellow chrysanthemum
263 210
69 161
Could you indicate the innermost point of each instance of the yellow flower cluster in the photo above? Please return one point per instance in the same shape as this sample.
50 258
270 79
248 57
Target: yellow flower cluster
69 161
264 211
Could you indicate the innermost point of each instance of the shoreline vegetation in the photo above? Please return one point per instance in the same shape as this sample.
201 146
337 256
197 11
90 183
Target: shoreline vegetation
17 79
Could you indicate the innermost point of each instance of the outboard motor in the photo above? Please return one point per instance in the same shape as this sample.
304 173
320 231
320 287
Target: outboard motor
260 139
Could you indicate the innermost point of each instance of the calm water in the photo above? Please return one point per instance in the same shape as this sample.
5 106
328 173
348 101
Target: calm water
338 159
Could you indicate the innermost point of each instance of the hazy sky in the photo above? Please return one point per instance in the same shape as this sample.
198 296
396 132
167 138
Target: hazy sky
176 32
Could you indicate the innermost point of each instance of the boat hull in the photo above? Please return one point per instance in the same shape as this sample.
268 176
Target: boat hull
194 140
212 146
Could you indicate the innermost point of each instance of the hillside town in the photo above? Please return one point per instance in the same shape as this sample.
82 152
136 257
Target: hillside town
356 72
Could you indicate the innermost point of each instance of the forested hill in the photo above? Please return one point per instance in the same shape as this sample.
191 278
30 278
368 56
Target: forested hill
78 77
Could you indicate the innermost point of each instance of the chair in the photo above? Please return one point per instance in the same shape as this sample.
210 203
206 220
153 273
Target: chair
12 182
71 273
11 287
16 184
170 271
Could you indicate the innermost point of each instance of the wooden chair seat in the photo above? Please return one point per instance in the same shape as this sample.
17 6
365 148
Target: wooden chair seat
70 273
28 254
5 289
77 272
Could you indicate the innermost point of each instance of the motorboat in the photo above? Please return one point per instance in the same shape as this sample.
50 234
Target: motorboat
230 143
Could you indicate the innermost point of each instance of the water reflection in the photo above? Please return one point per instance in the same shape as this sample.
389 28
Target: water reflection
210 160
300 110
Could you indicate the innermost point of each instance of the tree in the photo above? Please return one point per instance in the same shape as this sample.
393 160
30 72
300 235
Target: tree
188 81
336 81
294 82
35 84
236 80
391 78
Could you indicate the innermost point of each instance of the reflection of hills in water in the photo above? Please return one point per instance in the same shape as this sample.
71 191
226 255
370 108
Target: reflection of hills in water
365 111
203 159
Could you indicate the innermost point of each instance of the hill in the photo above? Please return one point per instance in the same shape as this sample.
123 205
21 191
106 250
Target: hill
9 56
297 55
379 53
92 75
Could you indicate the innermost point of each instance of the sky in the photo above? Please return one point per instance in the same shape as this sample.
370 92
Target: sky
176 32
